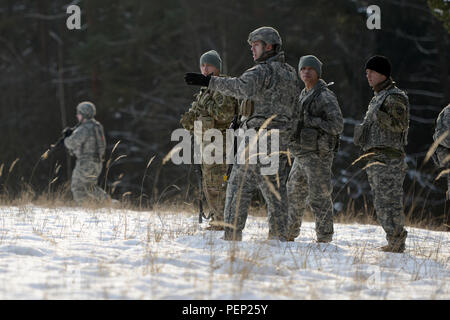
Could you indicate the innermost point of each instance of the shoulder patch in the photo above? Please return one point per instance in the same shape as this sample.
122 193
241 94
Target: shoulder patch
328 94
326 98
395 105
395 101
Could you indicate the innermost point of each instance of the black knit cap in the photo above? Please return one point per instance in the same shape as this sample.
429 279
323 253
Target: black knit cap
380 64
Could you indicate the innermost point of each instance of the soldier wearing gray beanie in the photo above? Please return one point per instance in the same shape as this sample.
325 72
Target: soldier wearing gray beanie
317 124
211 57
213 110
310 61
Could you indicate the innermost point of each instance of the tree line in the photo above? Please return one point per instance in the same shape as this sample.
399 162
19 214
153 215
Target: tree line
130 56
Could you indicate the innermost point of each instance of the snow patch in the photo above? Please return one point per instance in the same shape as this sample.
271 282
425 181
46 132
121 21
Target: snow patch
71 253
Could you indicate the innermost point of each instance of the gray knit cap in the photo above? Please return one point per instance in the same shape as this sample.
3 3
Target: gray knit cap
310 61
211 57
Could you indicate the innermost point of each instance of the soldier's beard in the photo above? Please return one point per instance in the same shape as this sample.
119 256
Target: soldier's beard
265 55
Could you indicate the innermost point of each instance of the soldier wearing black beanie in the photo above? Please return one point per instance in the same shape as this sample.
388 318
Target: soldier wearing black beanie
382 136
380 64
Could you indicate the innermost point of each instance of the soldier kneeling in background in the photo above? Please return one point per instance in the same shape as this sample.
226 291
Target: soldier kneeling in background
87 142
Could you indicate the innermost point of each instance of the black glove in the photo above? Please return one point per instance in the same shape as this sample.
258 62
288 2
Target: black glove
197 79
67 132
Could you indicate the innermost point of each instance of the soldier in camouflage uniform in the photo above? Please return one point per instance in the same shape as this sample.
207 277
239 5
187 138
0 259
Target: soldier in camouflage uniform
317 126
214 110
272 87
383 135
442 157
87 143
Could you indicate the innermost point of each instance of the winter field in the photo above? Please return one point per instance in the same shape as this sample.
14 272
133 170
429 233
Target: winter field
74 253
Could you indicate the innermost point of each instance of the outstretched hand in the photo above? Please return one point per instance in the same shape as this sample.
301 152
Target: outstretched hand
197 79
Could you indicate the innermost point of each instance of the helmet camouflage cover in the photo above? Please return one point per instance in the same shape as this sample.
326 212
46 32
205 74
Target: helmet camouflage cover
86 109
267 34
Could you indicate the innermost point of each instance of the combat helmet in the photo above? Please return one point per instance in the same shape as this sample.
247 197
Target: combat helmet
86 109
267 34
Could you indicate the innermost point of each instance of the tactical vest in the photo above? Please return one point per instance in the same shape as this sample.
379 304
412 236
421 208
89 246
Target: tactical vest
307 139
101 141
441 128
98 146
443 149
278 96
376 136
208 122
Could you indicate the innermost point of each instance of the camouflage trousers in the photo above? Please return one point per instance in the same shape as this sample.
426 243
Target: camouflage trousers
84 182
309 187
442 154
214 188
386 178
244 180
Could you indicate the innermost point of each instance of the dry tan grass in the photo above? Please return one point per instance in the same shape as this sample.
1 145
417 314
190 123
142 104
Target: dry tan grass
61 197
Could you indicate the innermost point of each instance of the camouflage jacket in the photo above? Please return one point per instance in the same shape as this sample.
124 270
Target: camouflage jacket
443 126
213 108
385 126
87 141
273 87
317 109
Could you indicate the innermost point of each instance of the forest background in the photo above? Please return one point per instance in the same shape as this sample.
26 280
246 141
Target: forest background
129 58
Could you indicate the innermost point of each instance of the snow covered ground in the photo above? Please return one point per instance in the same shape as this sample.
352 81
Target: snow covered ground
70 253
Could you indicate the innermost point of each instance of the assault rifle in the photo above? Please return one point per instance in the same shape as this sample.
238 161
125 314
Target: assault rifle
201 195
235 123
65 133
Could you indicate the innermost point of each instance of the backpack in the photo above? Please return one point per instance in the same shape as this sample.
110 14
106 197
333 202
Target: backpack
100 140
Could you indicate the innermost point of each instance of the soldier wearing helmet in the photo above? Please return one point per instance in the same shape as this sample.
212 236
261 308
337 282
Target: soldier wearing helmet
270 88
87 143
265 42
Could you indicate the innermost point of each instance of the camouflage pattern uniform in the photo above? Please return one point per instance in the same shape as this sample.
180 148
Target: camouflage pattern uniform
272 86
214 110
87 143
383 132
318 113
443 149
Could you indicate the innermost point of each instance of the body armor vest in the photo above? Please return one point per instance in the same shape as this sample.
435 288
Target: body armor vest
375 135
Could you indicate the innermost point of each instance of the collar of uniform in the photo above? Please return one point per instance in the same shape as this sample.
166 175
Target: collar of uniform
321 83
277 57
385 85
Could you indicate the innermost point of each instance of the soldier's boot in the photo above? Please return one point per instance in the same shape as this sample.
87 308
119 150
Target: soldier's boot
216 223
291 237
324 238
395 248
231 235
396 244
293 232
